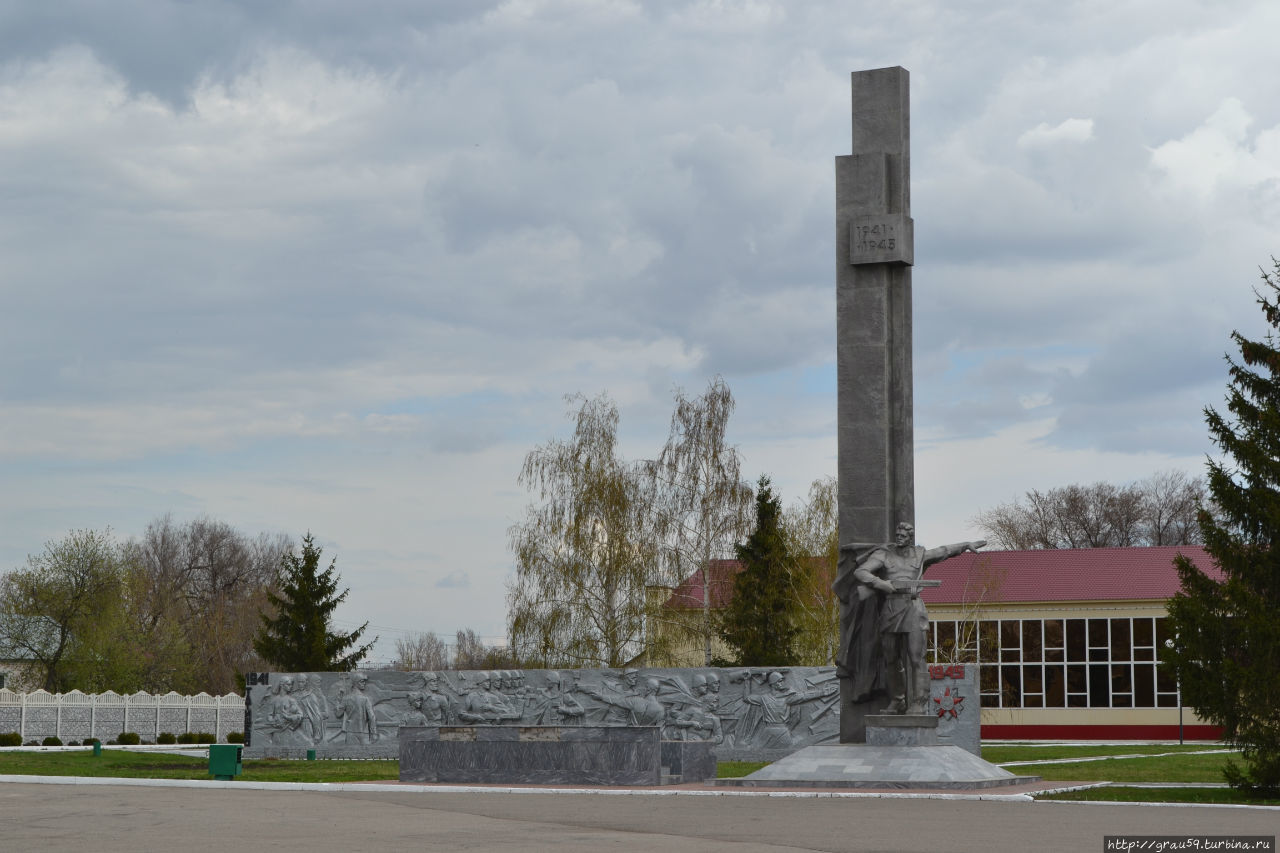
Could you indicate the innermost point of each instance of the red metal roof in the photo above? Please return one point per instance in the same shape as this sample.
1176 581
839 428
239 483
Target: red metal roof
720 575
1080 574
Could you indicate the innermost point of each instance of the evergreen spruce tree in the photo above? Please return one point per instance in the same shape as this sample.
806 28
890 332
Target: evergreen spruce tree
760 621
298 637
1226 650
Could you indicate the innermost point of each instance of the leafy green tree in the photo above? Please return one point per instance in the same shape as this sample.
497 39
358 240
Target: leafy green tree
298 637
760 621
1226 649
48 609
79 611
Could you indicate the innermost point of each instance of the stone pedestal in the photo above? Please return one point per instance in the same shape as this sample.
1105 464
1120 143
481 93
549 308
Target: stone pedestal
902 730
850 765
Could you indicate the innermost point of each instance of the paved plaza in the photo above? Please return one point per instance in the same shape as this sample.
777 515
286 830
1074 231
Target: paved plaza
142 819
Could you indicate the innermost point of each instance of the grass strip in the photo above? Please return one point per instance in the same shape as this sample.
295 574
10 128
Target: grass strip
738 769
1165 768
999 754
1122 794
139 765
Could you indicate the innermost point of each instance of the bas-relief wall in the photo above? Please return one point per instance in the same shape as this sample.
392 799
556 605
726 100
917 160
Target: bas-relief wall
747 713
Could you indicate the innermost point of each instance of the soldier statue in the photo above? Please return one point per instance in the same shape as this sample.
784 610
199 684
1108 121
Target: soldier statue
883 624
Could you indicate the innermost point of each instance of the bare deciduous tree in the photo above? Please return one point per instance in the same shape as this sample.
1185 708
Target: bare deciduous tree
1171 503
700 506
213 581
1159 510
421 652
471 653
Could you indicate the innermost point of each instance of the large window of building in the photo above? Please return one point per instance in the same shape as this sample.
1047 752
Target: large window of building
1061 663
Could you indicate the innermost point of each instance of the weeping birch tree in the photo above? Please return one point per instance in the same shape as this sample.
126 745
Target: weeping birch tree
698 502
582 556
810 528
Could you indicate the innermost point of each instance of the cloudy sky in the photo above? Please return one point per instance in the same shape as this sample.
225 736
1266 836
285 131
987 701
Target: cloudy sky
334 266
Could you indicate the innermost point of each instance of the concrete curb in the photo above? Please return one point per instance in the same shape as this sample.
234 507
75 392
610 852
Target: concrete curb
396 788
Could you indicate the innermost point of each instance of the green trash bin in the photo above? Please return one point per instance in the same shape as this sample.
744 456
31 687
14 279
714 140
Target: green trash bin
224 761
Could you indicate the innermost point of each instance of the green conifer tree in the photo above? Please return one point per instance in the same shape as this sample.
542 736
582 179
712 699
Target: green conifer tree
1226 647
760 622
298 638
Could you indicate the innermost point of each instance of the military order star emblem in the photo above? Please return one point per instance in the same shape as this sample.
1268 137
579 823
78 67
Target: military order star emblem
949 703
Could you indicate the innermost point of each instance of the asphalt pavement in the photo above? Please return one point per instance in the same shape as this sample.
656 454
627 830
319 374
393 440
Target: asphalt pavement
141 818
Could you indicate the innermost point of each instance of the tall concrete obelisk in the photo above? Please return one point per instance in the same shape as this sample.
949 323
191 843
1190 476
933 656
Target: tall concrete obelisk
874 246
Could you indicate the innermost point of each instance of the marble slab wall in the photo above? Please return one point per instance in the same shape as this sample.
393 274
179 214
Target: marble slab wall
550 755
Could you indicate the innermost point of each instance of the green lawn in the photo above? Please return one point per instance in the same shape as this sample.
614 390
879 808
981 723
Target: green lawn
161 766
147 765
1121 794
1034 752
1165 768
738 769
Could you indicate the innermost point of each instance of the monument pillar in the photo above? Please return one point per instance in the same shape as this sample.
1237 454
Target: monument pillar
874 253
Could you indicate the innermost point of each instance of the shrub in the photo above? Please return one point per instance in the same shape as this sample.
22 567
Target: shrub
33 743
187 737
129 739
51 740
166 737
235 737
206 737
90 741
10 739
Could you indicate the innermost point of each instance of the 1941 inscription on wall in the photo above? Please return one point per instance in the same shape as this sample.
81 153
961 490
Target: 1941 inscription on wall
881 239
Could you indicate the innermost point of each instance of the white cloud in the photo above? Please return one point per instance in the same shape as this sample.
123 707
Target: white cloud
1219 154
1069 130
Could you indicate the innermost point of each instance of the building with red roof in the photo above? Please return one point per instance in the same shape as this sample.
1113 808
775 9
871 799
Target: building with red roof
1067 641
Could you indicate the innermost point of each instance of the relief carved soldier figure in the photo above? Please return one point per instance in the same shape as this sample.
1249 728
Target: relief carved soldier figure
287 716
317 706
436 706
414 716
355 708
884 624
770 723
485 705
640 707
313 714
553 706
703 714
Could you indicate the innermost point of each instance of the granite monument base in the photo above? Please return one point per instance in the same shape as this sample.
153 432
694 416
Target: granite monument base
902 730
551 755
863 766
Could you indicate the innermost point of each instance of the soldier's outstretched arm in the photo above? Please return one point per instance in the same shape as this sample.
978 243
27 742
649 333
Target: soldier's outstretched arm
944 552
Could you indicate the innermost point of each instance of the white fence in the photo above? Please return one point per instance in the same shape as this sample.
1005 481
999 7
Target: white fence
76 716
